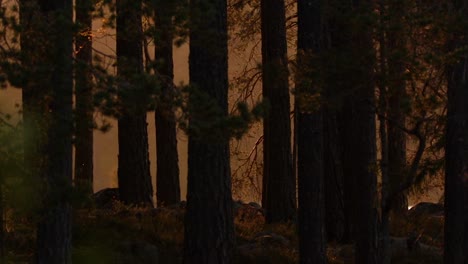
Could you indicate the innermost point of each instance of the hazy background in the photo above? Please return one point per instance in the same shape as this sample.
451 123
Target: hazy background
105 144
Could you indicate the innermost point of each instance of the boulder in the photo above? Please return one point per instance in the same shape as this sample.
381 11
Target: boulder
271 239
105 198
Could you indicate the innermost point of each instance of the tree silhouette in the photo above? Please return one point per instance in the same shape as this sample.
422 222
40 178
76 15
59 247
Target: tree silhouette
209 228
279 192
134 172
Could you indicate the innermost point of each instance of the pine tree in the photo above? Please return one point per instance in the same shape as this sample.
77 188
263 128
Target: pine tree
312 242
167 175
456 142
84 97
279 192
47 47
134 169
209 228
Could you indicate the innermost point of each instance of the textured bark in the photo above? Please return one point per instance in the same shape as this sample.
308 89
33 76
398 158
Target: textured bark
456 150
134 169
333 173
167 174
340 81
311 211
84 98
209 229
279 192
396 96
352 74
384 229
364 127
347 115
47 101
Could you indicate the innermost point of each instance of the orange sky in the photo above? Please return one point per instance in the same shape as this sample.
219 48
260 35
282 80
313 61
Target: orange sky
105 144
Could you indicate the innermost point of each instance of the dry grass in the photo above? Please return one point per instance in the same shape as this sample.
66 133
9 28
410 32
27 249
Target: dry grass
97 235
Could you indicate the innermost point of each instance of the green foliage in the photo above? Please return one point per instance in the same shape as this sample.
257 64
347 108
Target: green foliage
207 120
20 188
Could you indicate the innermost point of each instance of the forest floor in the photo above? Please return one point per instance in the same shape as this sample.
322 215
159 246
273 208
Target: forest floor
119 234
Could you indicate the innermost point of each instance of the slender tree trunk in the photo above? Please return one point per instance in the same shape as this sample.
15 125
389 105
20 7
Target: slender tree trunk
396 111
335 214
364 132
84 98
347 115
340 107
456 148
209 228
134 169
384 246
333 173
312 242
167 175
279 192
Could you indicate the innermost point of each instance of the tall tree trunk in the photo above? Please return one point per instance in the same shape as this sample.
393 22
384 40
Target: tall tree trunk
333 173
340 108
84 98
334 187
47 104
209 228
456 148
134 170
384 230
312 242
364 131
279 192
47 47
396 97
347 115
167 174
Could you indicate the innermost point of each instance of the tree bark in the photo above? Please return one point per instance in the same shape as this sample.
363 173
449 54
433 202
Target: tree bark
84 98
279 192
456 148
167 174
209 228
47 47
351 74
396 111
340 81
134 169
384 229
333 173
364 166
311 212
